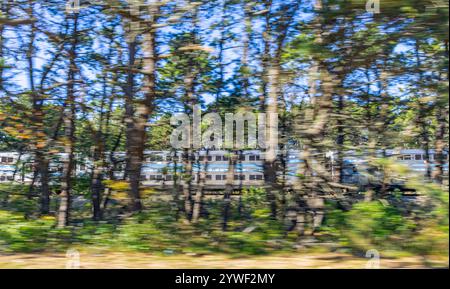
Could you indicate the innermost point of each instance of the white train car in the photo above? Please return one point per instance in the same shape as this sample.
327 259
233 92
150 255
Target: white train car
161 167
14 167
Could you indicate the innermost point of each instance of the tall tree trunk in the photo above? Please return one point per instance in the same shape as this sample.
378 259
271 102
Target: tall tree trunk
423 113
37 120
137 133
274 38
100 137
312 128
69 135
441 130
133 141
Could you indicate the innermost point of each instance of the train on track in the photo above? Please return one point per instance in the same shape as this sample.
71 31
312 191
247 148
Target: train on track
160 167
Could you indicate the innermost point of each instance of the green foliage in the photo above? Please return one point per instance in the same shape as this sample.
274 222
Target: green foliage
374 225
383 226
19 234
419 226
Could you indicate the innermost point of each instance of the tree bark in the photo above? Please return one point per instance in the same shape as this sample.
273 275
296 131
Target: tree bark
69 135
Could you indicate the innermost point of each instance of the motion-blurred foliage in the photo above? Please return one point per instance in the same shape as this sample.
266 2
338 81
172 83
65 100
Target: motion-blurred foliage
393 222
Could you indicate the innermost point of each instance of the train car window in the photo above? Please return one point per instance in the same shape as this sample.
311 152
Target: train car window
159 177
256 177
152 177
169 158
407 157
224 158
3 159
218 158
10 160
2 178
203 158
218 177
155 158
209 177
253 158
9 178
418 157
242 157
400 158
169 178
239 177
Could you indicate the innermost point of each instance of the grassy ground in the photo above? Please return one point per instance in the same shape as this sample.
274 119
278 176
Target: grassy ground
155 238
141 260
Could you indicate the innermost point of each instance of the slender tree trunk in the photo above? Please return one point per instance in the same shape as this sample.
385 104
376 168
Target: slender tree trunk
274 37
246 39
43 169
187 182
69 135
38 122
440 135
340 136
312 128
137 132
198 199
4 8
422 114
96 182
229 187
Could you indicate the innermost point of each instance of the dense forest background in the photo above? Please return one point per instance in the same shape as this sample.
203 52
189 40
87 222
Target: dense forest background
107 76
